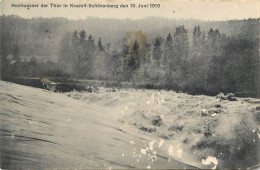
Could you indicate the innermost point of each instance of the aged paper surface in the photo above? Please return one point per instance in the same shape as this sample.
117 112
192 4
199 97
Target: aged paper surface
203 10
122 84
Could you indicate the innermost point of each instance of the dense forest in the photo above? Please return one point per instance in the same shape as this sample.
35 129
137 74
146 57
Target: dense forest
196 57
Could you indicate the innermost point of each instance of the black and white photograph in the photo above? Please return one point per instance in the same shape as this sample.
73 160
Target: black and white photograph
129 84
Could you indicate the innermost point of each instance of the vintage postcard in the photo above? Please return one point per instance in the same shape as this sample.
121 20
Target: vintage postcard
129 84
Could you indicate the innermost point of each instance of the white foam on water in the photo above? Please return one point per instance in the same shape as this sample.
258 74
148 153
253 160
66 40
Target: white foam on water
160 143
170 150
209 160
143 151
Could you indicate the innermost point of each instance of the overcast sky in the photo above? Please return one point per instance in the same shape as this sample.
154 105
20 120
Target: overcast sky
178 9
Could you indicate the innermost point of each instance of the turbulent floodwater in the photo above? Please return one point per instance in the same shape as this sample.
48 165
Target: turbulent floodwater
124 128
201 129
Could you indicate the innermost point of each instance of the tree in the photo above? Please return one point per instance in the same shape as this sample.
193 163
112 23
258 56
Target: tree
157 51
134 59
100 45
169 39
82 35
69 53
9 52
197 35
211 35
181 44
176 70
168 50
126 56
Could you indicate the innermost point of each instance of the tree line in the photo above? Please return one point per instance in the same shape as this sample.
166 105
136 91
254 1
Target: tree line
196 61
205 63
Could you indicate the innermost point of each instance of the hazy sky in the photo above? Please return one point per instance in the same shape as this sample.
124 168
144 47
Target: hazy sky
178 9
